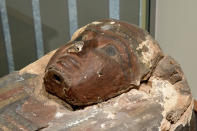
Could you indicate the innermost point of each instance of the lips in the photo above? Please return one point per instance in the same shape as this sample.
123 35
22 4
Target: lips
58 75
58 84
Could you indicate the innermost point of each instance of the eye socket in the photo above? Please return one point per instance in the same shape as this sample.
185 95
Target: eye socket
110 50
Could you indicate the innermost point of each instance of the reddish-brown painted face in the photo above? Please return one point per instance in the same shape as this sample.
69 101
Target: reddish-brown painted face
94 67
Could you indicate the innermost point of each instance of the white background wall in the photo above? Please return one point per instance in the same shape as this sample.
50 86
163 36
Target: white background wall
176 32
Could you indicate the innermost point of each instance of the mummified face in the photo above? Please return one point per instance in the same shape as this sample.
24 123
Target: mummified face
97 65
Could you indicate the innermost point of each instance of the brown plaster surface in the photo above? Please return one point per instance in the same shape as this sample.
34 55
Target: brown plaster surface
162 102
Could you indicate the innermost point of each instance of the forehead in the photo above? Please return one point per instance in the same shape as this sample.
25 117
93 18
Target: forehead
117 27
114 29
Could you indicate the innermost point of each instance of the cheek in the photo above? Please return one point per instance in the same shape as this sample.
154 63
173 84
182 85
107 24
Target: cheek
101 79
104 68
97 68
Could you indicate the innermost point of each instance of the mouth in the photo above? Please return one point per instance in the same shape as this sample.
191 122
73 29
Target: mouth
56 82
54 75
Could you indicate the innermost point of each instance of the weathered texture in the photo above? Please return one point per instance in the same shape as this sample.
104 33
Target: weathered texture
162 101
169 84
105 59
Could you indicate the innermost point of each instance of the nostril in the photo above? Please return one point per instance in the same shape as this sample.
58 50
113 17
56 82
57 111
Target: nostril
57 78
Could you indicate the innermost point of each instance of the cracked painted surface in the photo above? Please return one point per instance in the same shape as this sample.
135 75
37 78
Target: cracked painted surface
162 102
80 71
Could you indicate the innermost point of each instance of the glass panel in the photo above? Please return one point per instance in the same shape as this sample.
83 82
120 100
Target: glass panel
22 32
92 10
129 11
3 58
55 23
